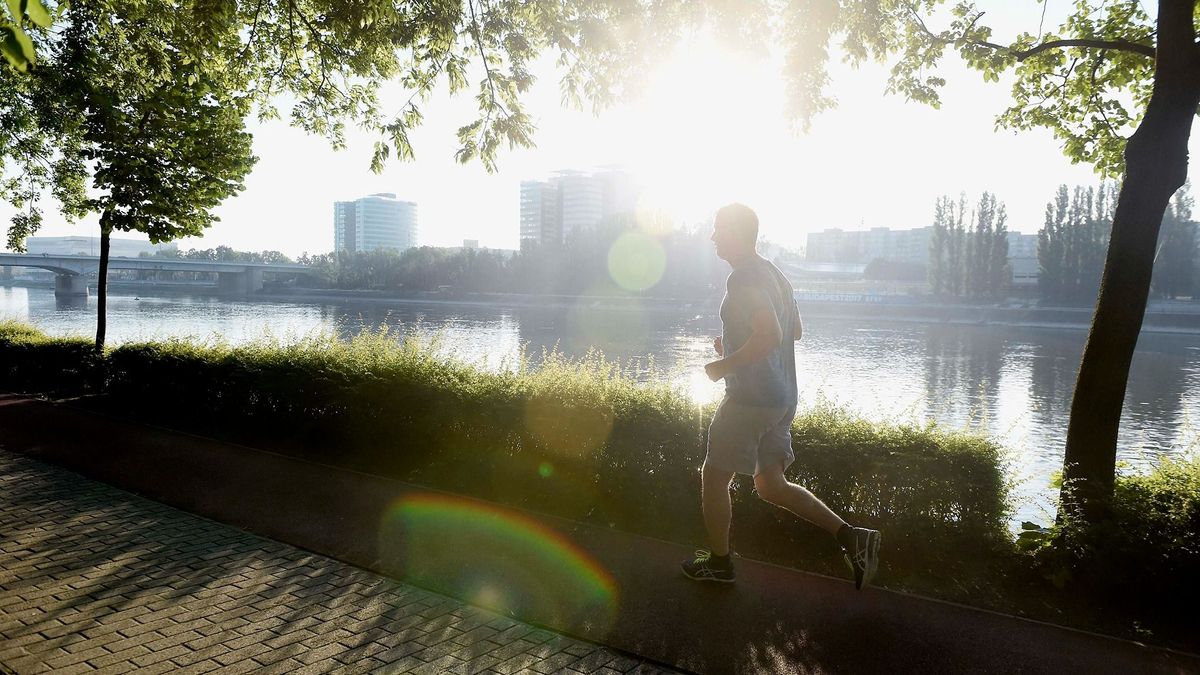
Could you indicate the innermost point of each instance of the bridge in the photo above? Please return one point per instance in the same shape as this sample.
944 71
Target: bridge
234 278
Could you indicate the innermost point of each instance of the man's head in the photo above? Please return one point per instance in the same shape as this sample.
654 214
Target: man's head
735 232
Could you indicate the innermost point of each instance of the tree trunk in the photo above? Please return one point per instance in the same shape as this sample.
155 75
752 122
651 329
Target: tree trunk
1155 167
102 287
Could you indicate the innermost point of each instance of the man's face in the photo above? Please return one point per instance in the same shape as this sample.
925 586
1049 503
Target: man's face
726 241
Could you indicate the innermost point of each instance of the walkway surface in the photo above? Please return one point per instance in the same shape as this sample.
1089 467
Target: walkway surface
774 620
95 578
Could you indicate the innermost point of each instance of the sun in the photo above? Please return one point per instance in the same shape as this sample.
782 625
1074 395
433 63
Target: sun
703 130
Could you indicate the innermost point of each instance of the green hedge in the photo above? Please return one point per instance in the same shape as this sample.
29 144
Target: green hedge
576 438
31 361
1147 555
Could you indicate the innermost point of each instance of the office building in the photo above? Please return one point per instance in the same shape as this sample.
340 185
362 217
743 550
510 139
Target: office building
378 221
555 209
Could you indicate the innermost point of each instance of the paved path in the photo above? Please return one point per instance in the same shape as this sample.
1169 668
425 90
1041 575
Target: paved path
774 620
95 578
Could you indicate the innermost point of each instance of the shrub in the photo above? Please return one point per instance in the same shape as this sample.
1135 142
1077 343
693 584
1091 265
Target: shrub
1147 555
32 362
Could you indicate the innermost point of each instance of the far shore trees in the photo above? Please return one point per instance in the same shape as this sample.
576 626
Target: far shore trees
968 254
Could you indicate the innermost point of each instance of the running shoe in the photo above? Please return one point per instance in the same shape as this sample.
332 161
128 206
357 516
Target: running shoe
863 556
701 568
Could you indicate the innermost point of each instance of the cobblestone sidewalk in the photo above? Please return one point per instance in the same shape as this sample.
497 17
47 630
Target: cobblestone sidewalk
93 578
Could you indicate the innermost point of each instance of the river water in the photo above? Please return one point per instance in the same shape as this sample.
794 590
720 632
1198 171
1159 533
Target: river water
1013 384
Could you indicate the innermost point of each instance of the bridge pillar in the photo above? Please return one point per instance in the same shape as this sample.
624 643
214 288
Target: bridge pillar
240 283
70 286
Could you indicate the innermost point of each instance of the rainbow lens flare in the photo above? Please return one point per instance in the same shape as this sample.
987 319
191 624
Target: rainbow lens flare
496 558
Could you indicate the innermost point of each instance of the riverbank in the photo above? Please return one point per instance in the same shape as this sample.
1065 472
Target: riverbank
1161 317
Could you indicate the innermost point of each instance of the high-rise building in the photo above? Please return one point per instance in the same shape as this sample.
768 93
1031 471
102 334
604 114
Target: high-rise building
541 214
374 222
554 210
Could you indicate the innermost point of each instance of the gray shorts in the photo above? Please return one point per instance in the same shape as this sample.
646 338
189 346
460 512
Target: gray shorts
744 438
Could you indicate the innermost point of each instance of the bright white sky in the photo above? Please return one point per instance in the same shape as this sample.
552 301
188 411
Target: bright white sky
710 128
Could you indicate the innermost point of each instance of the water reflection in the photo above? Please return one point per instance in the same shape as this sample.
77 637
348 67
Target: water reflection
70 303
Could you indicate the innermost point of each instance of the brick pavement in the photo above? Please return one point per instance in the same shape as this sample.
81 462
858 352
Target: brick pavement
94 578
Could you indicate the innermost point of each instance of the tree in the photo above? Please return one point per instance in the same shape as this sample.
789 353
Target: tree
1175 262
1108 69
160 136
938 247
999 270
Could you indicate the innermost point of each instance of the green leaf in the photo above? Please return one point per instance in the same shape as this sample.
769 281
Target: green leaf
11 49
24 44
38 13
1030 526
14 10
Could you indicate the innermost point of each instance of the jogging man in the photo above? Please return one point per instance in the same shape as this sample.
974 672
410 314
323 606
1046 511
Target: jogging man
751 431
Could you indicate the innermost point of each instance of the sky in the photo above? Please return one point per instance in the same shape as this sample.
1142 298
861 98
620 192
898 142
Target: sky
710 127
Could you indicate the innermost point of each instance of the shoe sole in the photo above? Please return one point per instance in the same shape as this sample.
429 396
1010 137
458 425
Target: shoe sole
696 578
873 541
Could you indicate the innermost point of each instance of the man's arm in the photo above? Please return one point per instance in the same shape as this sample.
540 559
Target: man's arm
765 336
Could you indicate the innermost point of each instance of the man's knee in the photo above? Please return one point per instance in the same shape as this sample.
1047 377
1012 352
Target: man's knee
715 478
770 485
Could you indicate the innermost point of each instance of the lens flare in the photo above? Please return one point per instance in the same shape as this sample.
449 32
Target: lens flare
567 430
545 469
636 261
498 558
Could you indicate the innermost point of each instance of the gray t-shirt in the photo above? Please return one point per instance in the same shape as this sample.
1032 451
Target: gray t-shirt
772 380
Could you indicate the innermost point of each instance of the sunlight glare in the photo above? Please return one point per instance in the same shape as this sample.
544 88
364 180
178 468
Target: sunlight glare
708 118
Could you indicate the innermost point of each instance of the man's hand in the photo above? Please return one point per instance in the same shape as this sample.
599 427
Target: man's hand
716 370
719 346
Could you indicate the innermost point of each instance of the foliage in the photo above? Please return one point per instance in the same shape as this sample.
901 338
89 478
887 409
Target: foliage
1152 526
32 361
969 257
220 253
1073 241
1087 81
15 43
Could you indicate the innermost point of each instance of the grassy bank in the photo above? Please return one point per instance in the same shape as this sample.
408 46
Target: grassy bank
581 439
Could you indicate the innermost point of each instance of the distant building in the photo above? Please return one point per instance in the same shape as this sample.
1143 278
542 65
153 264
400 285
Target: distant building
861 247
541 213
117 248
1022 257
554 210
911 246
378 221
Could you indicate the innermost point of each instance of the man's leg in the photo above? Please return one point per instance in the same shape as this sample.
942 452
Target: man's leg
775 488
718 507
860 544
714 564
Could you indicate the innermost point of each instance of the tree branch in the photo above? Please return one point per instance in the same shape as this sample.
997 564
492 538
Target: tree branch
1022 54
1111 45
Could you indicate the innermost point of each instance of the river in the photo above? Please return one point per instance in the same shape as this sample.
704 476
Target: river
1011 383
